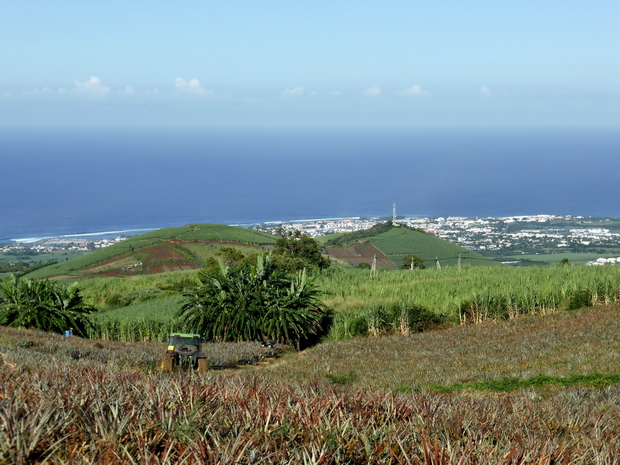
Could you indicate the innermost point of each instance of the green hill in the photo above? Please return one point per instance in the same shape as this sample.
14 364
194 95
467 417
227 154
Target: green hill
390 243
168 249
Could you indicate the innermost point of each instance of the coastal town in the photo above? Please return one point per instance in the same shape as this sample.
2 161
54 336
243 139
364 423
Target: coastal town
496 237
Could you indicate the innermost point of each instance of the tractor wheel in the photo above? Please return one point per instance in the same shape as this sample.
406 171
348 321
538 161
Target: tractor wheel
167 363
203 365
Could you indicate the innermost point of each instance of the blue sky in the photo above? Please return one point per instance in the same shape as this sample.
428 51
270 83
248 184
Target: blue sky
337 63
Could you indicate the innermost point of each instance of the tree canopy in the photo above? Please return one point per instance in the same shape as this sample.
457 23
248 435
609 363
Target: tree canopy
296 251
413 262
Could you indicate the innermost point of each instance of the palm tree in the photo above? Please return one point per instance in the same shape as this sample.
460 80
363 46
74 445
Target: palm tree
246 302
44 305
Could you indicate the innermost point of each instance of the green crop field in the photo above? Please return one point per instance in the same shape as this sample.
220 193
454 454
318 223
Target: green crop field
103 292
97 256
365 303
148 320
201 252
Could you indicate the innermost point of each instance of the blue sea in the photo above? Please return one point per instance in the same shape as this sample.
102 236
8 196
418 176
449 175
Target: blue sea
128 180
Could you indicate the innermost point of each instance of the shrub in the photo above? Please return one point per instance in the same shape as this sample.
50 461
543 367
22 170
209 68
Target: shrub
579 299
358 326
421 319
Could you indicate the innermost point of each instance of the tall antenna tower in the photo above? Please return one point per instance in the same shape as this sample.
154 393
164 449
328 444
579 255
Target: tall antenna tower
393 213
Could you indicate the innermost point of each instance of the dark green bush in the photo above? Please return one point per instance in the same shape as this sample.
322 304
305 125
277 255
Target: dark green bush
358 327
580 299
421 319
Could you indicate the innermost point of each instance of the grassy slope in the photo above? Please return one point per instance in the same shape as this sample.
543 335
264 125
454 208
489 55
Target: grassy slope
189 233
398 241
559 345
211 232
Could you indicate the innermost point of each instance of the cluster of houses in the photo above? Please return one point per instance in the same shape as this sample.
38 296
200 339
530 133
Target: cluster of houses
604 261
50 245
323 227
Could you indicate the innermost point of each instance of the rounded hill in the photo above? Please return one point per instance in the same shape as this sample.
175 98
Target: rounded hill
161 250
391 243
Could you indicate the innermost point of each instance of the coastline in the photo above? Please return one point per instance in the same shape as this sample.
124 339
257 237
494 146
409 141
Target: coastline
344 224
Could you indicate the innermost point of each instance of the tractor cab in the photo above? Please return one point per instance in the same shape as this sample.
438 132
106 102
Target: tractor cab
185 350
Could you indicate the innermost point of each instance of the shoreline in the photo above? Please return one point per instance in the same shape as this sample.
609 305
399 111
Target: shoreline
116 233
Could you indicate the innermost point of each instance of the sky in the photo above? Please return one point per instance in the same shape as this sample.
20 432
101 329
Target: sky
342 63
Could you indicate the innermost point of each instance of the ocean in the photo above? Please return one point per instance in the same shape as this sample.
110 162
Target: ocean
128 180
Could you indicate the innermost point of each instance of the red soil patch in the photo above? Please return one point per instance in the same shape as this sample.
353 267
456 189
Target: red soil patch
161 259
152 260
361 253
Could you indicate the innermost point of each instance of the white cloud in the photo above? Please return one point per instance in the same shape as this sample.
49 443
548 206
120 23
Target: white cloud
295 91
373 91
91 88
485 92
192 87
414 91
335 93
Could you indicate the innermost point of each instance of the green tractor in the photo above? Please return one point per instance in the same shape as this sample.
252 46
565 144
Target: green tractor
185 350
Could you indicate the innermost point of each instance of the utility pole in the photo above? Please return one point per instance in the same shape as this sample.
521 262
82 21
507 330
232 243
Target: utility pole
437 265
459 264
393 213
373 268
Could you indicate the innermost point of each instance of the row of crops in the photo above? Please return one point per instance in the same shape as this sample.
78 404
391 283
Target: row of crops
473 295
386 302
